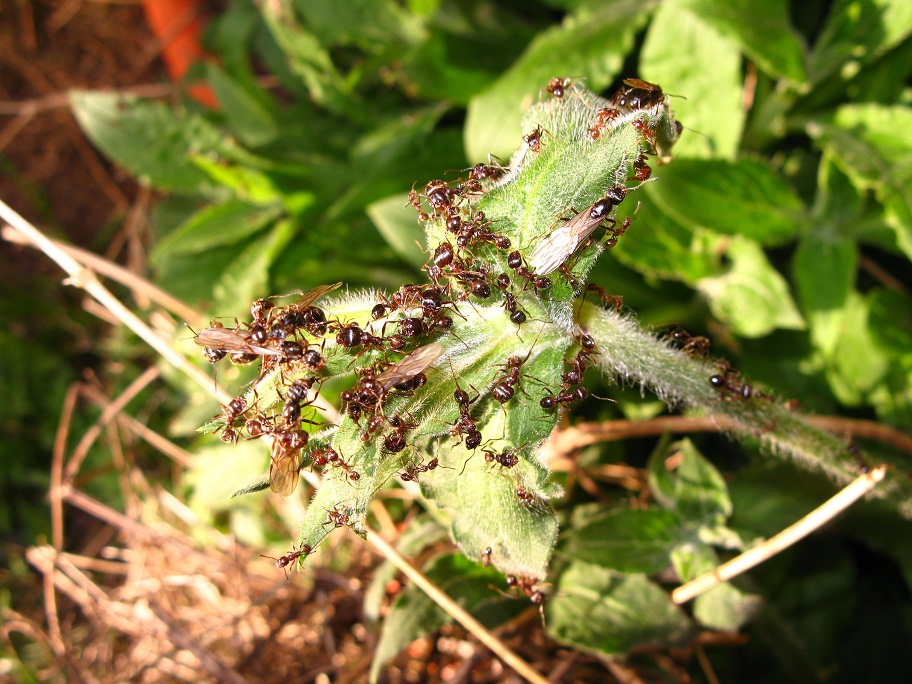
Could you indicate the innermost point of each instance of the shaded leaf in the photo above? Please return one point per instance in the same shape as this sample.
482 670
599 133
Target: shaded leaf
697 490
752 298
155 143
414 614
216 225
744 198
625 540
606 612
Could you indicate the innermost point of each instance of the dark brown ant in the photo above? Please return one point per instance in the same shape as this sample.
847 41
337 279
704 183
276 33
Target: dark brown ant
283 562
349 336
524 495
415 200
558 86
517 315
516 262
507 458
641 170
440 196
551 402
336 518
692 345
533 139
637 95
411 474
465 425
727 381
231 412
503 388
486 556
395 440
303 314
527 586
220 341
602 116
326 455
480 172
610 301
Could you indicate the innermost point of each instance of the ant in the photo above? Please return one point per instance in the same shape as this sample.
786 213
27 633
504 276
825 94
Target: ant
415 200
533 139
557 87
465 425
727 381
327 455
516 262
411 474
283 562
231 412
610 301
503 389
692 345
336 518
507 458
527 586
517 315
551 402
486 556
395 441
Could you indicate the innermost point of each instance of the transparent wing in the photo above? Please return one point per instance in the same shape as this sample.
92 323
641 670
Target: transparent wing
284 470
409 366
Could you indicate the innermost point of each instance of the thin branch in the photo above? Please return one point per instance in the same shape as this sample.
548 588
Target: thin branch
583 434
86 279
109 413
55 493
790 535
140 286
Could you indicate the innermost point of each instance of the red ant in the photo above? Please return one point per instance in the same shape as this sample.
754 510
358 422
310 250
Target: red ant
283 562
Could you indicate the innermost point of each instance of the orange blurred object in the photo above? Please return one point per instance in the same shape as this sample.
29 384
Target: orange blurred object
178 25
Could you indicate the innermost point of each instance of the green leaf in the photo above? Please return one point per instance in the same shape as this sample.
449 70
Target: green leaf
624 540
414 614
606 612
661 247
761 29
726 608
308 59
369 24
873 145
211 490
589 45
858 32
858 364
697 492
247 276
744 198
249 184
396 222
153 142
752 298
824 271
248 116
709 79
216 225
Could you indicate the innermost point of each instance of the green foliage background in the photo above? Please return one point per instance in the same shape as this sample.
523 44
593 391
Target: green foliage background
783 229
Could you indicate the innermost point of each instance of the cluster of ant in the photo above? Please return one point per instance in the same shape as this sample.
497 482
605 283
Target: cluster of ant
400 341
727 381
